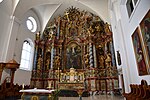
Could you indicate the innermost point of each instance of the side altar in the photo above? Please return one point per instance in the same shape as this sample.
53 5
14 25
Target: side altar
75 50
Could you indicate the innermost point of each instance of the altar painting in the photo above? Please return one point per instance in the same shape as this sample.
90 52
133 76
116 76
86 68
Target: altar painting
73 56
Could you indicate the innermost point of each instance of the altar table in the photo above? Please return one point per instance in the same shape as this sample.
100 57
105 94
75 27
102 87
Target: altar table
36 94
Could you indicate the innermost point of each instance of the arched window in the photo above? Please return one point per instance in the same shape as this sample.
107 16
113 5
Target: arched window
27 55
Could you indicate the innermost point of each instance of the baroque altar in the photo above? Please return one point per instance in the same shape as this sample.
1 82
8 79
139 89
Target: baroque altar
75 49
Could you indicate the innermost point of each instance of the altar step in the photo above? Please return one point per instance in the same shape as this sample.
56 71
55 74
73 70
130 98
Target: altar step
72 93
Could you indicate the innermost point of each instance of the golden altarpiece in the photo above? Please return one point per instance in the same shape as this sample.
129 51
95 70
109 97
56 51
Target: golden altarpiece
75 50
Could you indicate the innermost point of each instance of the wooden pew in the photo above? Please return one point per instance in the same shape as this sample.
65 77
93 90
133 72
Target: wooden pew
136 93
139 92
127 95
146 94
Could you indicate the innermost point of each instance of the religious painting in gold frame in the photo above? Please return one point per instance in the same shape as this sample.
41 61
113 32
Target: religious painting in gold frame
145 30
139 54
73 54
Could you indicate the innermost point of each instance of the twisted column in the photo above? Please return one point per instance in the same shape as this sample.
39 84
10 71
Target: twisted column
91 55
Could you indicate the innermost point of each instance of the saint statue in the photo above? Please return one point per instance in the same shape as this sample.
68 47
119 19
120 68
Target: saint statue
101 61
39 62
107 29
86 60
47 64
57 62
108 60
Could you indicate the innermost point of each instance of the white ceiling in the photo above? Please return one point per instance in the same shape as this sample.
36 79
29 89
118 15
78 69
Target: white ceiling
48 9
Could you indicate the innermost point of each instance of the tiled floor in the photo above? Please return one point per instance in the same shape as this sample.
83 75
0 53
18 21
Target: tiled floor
96 97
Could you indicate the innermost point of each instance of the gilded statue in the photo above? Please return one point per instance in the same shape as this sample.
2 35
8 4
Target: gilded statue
47 64
39 62
57 62
87 60
106 28
108 60
38 36
67 15
98 28
101 61
109 72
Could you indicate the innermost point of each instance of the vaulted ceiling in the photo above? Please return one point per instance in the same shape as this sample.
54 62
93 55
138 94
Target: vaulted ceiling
48 9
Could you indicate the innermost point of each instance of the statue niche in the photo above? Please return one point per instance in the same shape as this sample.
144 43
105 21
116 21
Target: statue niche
73 53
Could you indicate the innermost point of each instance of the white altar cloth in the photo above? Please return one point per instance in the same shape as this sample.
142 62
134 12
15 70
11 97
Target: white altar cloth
35 90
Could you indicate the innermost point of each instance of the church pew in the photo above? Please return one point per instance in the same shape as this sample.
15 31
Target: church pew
139 92
134 88
8 91
146 94
127 95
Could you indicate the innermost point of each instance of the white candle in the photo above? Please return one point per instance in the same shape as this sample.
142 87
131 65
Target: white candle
49 85
23 85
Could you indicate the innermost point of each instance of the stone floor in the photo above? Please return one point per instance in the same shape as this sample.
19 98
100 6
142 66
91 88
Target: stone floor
95 97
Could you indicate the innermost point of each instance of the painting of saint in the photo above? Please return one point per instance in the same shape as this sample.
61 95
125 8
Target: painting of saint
73 56
145 29
140 59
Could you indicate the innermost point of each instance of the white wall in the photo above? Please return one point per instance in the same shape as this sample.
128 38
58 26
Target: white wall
123 28
6 22
13 32
23 76
5 27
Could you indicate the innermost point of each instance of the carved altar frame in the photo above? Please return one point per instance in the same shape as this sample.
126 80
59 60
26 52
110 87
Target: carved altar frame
74 30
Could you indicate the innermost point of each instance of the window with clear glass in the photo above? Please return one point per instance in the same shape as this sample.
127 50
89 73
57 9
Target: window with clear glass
135 2
31 24
26 56
131 4
130 7
1 1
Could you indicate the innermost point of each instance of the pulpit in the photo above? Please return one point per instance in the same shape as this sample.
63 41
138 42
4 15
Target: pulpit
12 65
7 87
